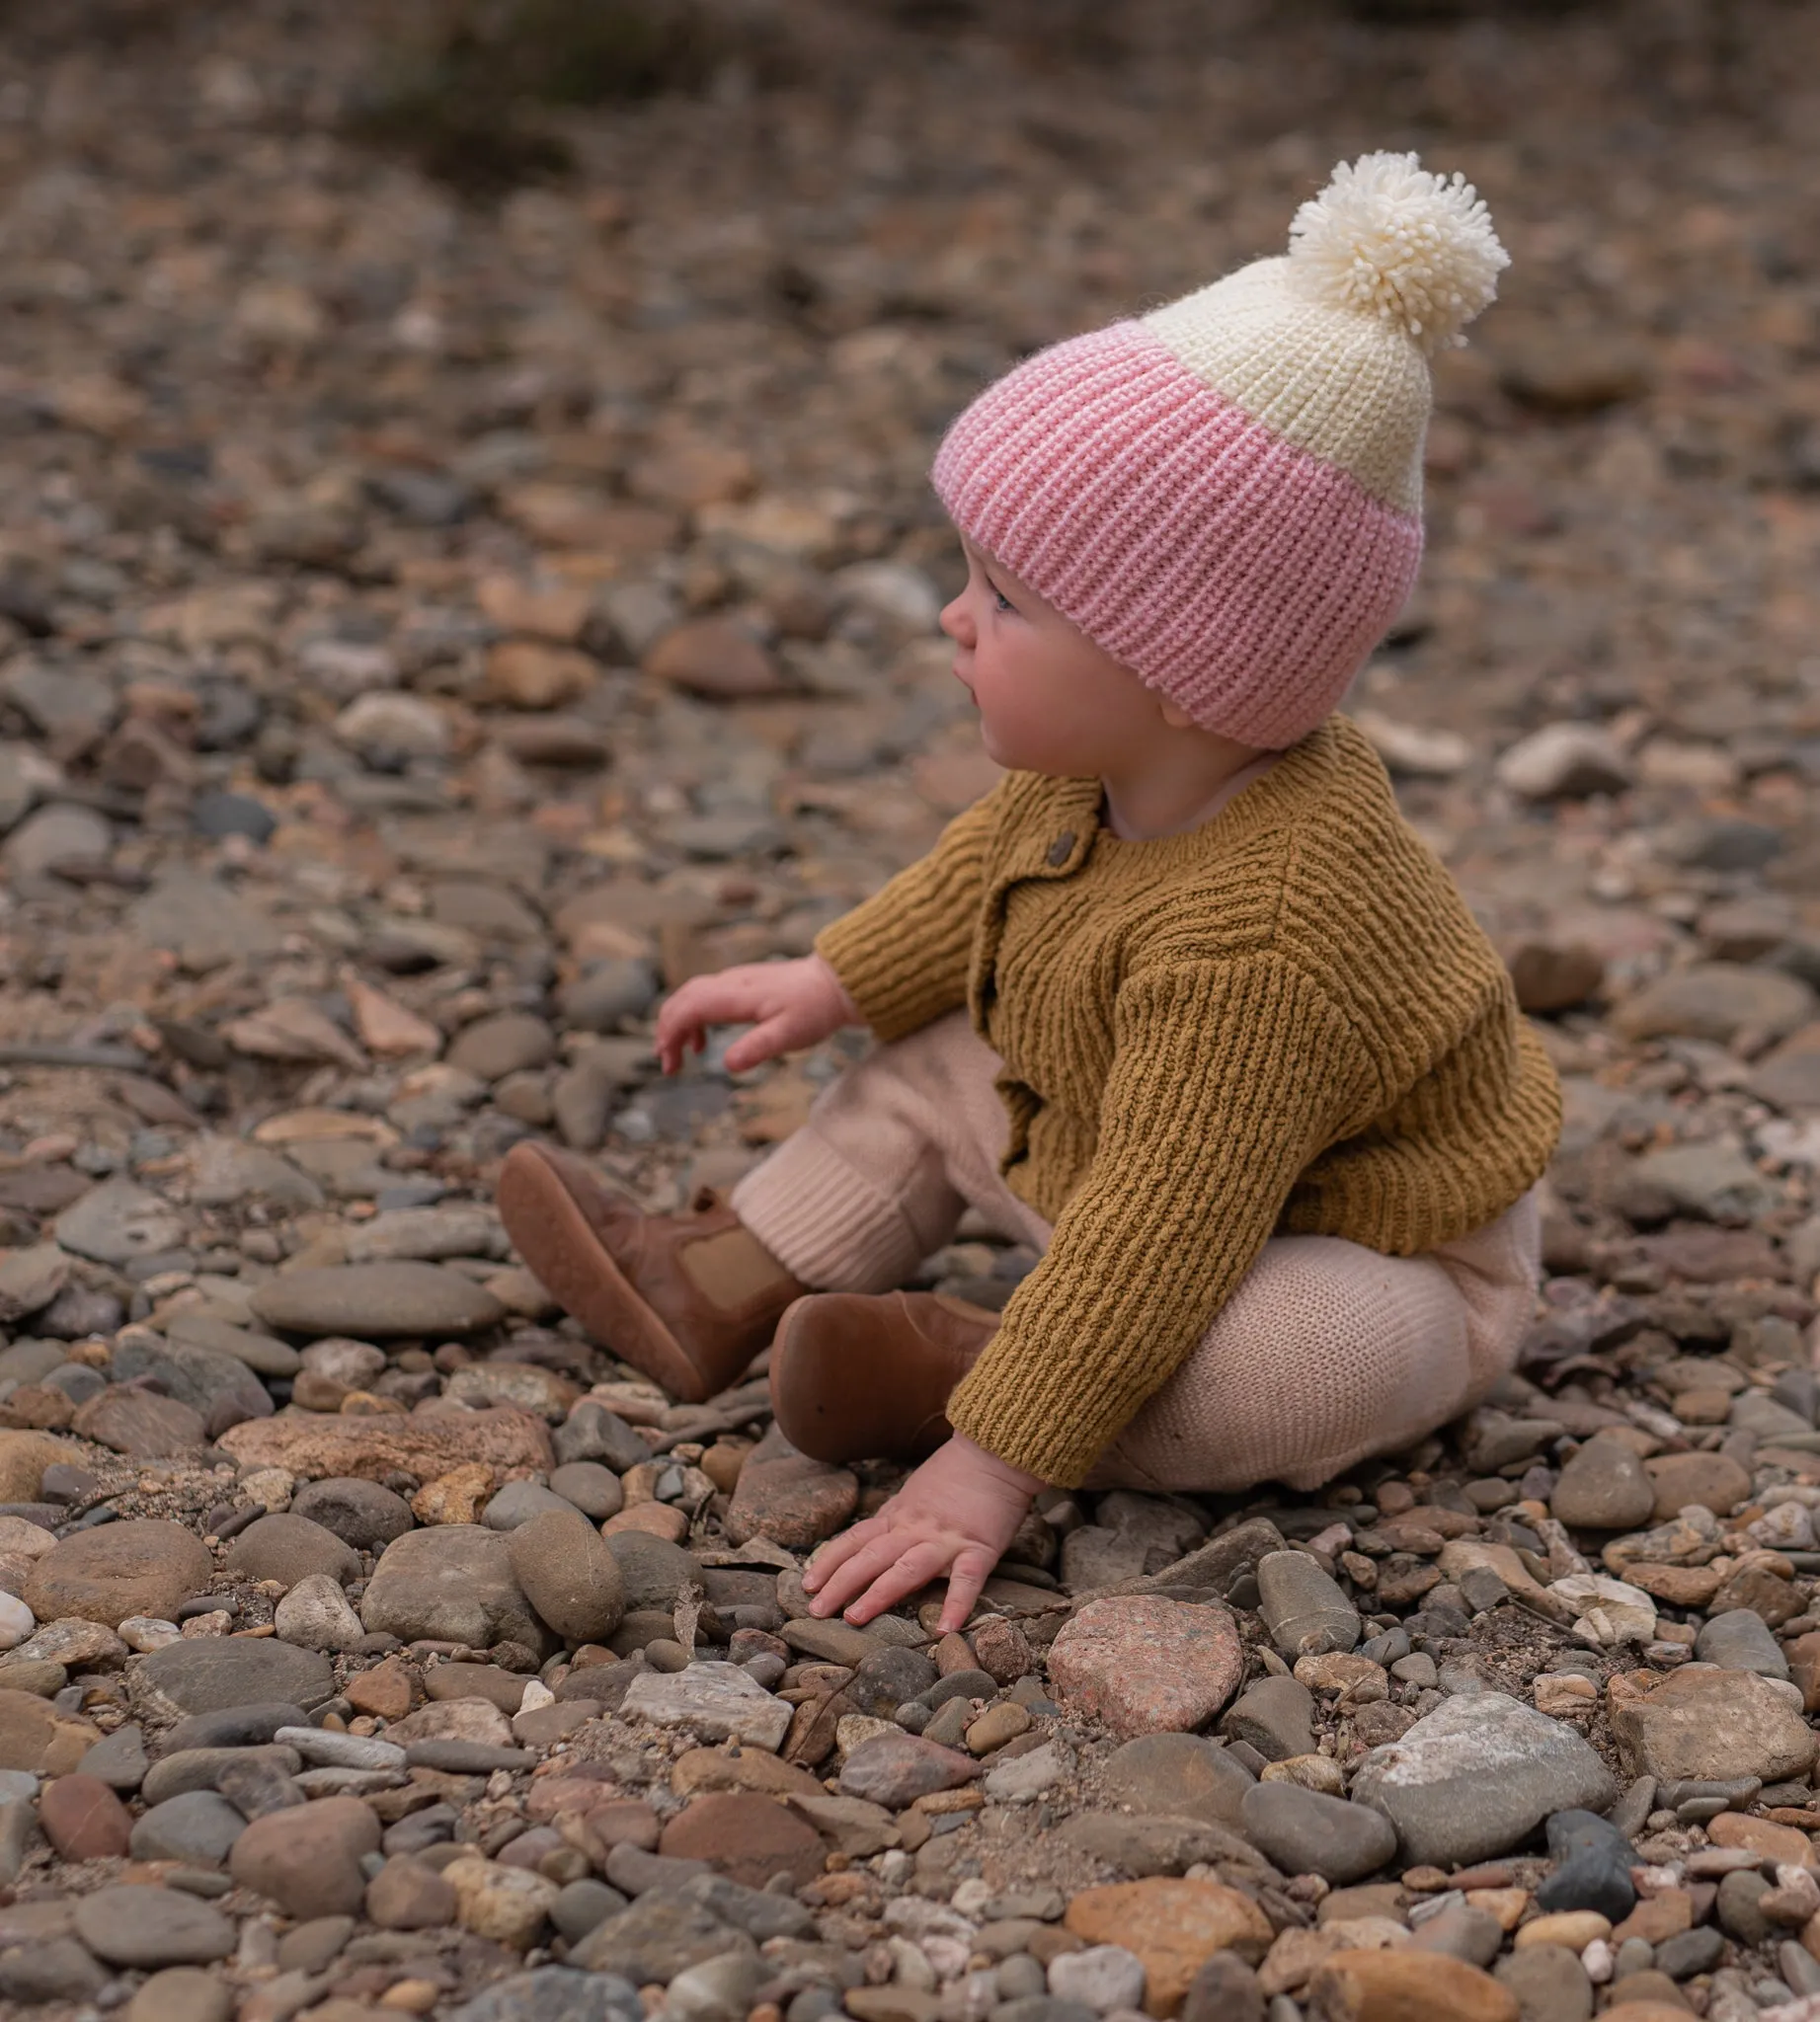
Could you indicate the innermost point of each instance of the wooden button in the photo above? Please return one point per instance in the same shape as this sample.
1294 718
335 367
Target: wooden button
1061 848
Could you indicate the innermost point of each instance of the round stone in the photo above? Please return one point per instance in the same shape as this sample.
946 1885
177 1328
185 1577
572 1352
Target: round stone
362 1514
454 1584
181 1994
1304 1609
199 1829
518 1502
1604 1487
568 1575
747 1836
83 1818
1173 1927
1179 1777
1715 1480
593 1490
148 1927
1308 1833
145 1566
407 1895
291 1547
307 1858
653 1570
507 1043
217 1675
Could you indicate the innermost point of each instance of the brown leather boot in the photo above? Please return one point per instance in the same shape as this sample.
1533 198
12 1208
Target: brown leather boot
857 1377
688 1298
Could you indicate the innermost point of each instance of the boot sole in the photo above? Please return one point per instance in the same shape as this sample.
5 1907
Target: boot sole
561 1250
801 1372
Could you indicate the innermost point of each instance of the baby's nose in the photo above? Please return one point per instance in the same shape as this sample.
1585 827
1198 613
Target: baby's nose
954 621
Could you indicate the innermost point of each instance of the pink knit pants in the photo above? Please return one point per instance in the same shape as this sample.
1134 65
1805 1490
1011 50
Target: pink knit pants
1325 1353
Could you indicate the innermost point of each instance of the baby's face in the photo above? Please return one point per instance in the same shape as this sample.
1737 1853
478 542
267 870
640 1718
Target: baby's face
1050 700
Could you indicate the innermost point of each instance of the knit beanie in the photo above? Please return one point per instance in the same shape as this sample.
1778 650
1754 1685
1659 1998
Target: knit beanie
1226 494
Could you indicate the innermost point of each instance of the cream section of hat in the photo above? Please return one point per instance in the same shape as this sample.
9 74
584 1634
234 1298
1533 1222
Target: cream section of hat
1350 389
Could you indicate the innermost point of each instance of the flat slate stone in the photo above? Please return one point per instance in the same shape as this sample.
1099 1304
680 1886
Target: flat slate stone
555 1994
718 1701
196 1826
217 1675
234 1727
375 1301
118 1221
147 1927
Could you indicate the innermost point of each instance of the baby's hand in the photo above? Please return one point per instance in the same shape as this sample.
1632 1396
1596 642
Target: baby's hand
788 1004
956 1515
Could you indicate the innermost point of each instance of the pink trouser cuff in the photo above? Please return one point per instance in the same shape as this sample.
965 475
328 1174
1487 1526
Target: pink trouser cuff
827 1225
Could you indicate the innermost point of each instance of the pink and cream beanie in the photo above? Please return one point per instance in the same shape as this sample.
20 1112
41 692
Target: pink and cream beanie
1226 494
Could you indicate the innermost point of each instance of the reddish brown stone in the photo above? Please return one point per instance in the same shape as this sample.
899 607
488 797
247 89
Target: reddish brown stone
38 1407
788 1497
1704 1255
1715 1480
36 1736
83 1818
1408 1986
747 1838
307 1859
626 1821
406 1896
1764 1593
1804 1667
1678 1585
141 1424
1002 1650
386 1690
714 657
1174 1928
655 1520
1147 1666
810 1739
1657 1917
954 1653
1781 1843
896 1769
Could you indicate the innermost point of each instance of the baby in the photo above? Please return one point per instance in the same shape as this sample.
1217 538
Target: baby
1184 1003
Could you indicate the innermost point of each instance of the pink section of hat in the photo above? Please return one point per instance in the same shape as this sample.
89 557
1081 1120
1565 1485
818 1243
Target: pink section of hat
1241 576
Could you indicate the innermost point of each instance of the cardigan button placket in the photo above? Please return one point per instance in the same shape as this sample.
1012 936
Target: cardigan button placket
1061 849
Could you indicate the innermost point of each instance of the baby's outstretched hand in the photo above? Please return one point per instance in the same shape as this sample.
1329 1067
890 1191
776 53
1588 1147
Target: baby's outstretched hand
788 1004
956 1515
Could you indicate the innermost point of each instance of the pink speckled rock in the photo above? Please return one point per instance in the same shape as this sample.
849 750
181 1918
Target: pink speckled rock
1145 1665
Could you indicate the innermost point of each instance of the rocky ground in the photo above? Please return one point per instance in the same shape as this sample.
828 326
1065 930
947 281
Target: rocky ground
431 629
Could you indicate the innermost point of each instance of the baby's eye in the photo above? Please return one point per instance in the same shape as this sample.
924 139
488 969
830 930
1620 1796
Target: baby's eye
1002 602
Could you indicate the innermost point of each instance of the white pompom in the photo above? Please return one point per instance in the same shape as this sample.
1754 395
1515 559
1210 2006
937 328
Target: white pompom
1388 239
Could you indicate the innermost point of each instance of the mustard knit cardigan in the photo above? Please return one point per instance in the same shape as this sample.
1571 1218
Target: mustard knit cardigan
1284 1022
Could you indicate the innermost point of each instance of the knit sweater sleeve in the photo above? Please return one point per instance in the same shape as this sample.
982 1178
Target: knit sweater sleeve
904 954
1227 1080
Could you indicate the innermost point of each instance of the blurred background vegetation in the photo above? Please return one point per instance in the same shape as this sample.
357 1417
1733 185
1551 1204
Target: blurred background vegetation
475 92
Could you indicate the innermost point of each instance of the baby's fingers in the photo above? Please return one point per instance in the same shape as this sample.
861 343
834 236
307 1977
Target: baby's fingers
971 1570
764 1042
830 1557
912 1569
856 1569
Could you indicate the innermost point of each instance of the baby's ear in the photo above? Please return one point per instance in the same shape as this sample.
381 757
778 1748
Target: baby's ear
1175 716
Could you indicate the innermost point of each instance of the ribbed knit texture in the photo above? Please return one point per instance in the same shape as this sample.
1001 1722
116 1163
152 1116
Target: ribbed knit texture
1285 1022
1226 494
1242 577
